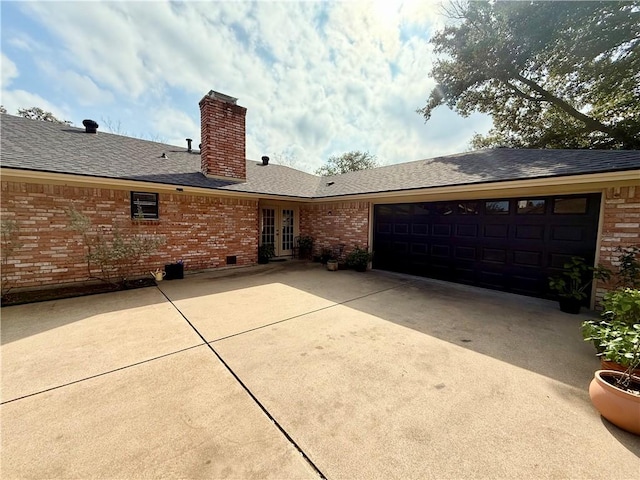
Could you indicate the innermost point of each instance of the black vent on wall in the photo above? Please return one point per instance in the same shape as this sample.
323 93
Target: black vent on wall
232 260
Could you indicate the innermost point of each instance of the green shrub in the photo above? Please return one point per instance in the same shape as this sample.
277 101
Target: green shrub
116 253
616 336
358 258
576 277
265 252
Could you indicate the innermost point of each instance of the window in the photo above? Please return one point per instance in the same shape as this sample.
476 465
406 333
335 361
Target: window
144 205
446 208
500 207
575 205
468 208
530 206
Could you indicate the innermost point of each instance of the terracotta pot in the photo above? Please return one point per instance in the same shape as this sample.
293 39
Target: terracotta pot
332 265
616 405
609 365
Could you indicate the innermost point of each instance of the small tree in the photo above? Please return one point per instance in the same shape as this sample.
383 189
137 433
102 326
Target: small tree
36 113
116 253
347 162
10 243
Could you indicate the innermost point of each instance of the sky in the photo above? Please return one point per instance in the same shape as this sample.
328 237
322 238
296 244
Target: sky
317 78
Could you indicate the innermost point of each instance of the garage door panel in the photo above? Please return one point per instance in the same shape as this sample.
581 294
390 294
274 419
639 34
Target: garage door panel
467 231
464 253
568 233
530 232
401 228
383 228
508 244
440 250
526 285
527 259
400 248
494 255
494 280
441 230
496 231
466 276
418 249
420 229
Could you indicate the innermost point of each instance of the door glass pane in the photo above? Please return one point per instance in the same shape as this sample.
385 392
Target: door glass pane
499 207
570 205
468 208
287 230
530 206
268 226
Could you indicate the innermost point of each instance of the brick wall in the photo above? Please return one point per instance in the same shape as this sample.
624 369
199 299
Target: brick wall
200 230
620 228
334 223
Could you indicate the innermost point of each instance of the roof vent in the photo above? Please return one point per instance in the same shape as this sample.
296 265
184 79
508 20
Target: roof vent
330 183
189 144
90 126
164 155
265 160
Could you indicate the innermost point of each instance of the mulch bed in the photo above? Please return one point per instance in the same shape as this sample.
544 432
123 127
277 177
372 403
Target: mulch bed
57 293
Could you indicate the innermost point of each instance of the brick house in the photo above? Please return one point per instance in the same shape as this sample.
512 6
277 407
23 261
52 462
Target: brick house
499 218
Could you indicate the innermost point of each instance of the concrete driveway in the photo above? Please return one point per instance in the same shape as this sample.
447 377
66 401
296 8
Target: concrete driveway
291 371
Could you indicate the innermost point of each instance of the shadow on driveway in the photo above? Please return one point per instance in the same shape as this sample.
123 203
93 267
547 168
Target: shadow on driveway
527 332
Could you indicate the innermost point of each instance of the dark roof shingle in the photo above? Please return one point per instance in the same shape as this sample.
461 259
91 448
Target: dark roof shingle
44 146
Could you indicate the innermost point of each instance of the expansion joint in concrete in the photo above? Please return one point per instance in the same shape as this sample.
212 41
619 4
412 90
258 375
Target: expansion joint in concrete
249 392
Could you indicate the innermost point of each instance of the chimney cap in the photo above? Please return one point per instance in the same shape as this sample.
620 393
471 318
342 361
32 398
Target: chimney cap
222 97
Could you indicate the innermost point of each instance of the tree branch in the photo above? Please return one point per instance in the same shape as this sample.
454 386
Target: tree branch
590 122
521 94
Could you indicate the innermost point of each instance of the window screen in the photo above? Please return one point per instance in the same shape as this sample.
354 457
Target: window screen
144 205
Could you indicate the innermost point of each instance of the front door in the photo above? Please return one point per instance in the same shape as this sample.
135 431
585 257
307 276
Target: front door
278 228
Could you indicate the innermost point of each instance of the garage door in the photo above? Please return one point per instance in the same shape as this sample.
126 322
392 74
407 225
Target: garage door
511 244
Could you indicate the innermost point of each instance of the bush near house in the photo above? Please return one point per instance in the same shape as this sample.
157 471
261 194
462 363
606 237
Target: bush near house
10 244
113 252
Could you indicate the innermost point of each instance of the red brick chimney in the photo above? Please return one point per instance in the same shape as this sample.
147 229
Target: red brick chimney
222 153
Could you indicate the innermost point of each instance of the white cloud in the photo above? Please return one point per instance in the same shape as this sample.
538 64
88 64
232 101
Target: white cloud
9 70
81 88
174 126
23 41
317 78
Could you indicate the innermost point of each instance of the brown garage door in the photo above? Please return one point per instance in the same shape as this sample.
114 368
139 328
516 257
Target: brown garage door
511 244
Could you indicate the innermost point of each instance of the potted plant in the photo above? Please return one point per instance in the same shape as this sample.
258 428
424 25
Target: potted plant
613 335
325 255
359 259
616 394
571 285
265 252
305 246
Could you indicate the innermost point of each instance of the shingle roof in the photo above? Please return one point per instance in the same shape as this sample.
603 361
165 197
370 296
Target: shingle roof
45 146
480 166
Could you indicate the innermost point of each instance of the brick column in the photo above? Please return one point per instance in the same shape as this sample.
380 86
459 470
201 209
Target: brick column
620 228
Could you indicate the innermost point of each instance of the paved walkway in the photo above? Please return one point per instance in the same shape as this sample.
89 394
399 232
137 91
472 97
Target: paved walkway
290 371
